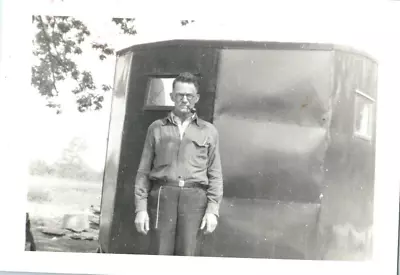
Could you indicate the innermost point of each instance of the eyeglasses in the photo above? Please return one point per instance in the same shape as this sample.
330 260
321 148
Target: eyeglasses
189 97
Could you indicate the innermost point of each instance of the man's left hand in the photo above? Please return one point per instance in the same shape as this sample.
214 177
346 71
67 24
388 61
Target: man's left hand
209 223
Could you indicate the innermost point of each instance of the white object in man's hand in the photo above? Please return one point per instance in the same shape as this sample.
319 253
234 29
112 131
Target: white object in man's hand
142 222
209 223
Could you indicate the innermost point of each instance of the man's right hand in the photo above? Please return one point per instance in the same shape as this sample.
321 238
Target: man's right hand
142 222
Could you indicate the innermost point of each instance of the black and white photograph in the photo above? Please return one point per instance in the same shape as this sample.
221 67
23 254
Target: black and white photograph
272 148
209 138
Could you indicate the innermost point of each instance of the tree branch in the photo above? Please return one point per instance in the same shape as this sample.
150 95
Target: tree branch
59 59
58 42
50 54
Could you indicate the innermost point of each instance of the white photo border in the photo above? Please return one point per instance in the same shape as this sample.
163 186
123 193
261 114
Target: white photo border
375 22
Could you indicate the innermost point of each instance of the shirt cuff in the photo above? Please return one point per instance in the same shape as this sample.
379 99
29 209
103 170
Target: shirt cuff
141 206
213 208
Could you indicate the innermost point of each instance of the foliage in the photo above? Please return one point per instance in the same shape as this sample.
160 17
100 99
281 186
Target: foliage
126 25
186 22
70 165
58 41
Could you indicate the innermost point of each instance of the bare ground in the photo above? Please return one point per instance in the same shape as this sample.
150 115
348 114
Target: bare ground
49 199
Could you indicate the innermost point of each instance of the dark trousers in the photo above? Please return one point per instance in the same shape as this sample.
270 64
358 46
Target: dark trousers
175 218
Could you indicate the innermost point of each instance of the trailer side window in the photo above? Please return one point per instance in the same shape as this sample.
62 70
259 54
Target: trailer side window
158 92
364 115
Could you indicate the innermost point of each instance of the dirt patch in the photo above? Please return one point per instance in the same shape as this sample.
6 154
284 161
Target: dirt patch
50 201
62 244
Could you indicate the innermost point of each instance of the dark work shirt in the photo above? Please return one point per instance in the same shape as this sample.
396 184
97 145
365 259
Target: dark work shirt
195 158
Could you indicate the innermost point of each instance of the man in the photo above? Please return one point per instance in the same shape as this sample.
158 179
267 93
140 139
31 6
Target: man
179 187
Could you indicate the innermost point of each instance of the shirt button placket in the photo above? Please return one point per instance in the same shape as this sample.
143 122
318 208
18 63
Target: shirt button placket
181 182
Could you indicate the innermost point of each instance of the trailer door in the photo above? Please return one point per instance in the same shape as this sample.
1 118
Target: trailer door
149 84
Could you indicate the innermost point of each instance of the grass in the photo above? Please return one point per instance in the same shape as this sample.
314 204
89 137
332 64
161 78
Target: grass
49 199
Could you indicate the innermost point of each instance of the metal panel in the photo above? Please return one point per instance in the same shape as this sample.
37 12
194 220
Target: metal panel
347 206
117 118
242 44
261 228
271 111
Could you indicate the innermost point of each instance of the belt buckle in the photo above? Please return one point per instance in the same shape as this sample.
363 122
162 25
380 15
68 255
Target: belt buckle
181 183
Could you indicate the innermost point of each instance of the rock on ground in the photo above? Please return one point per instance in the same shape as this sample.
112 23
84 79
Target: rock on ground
76 222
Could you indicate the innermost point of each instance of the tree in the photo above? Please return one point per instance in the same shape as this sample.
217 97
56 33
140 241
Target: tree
57 42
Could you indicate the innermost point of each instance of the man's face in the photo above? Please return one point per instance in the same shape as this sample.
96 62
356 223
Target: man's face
185 96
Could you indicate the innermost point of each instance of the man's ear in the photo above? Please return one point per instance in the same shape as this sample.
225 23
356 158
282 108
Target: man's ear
197 98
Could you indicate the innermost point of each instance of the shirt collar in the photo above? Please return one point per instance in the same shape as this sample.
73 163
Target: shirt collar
171 118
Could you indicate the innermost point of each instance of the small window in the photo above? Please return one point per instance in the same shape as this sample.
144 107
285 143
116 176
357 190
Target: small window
364 116
158 92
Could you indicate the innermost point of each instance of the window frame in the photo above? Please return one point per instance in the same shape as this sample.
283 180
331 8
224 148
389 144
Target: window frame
147 107
371 101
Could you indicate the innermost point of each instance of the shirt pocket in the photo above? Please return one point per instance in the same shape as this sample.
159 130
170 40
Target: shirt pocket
164 149
199 151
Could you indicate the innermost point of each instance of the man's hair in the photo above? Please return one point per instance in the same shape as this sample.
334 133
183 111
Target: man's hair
187 78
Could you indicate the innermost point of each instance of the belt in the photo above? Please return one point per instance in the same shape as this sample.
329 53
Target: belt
180 183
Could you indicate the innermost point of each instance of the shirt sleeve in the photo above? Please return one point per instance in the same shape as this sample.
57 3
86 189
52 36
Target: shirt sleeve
214 173
142 182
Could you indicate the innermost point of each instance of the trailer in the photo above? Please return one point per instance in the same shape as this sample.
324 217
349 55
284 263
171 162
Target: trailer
297 139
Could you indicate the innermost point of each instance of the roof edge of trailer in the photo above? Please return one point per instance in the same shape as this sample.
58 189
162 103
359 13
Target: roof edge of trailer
248 44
